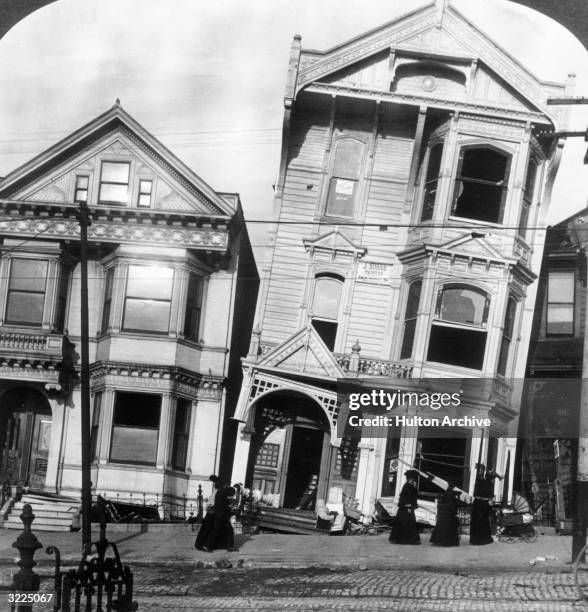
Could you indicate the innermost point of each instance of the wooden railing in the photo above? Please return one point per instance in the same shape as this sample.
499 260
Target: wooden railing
373 367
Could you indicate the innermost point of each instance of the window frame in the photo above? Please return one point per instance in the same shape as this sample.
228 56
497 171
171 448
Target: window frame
107 301
114 425
429 181
10 291
571 304
127 297
194 306
458 179
336 174
413 318
95 427
507 335
467 328
322 319
181 439
141 193
528 195
78 188
101 200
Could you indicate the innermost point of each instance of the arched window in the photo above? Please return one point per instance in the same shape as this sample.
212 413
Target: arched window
344 178
325 307
410 318
481 184
431 181
458 332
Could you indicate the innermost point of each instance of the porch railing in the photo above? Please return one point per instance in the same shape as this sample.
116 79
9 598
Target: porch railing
31 343
367 366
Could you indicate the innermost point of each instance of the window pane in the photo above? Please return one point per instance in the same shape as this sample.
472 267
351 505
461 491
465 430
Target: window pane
560 319
146 315
340 197
530 180
144 200
81 182
115 172
327 330
414 297
484 164
134 445
434 162
462 305
561 287
150 282
348 158
28 275
408 339
327 296
145 187
479 201
25 308
114 193
137 409
460 347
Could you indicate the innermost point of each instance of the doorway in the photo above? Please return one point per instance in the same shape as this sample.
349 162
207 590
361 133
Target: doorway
304 466
25 438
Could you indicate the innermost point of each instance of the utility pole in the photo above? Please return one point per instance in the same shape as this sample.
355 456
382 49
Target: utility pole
84 219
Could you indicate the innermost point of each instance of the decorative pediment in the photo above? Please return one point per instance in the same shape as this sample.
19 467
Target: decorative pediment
476 245
435 34
306 353
334 241
144 174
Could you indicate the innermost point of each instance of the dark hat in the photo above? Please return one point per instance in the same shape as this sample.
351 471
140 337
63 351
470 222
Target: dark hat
230 491
411 474
213 478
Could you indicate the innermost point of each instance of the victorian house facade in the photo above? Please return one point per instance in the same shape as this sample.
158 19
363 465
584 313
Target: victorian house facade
550 411
416 169
172 286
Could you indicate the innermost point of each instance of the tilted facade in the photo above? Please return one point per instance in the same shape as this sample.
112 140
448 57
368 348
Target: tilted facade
416 169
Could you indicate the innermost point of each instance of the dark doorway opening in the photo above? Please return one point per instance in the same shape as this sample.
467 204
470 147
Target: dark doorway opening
303 468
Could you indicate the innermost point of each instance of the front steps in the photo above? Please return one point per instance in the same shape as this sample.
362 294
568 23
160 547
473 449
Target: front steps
52 512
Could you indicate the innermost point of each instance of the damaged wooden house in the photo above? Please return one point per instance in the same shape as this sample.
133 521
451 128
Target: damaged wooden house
416 170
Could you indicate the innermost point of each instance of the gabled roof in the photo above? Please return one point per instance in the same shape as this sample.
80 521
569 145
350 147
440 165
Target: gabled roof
452 36
115 119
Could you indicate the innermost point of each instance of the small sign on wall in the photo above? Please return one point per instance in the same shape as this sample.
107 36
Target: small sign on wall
374 272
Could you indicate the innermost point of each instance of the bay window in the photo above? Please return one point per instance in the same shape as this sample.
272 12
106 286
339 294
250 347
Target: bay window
148 299
27 286
135 428
458 332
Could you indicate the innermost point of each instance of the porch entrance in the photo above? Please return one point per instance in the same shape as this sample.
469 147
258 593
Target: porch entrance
289 458
25 433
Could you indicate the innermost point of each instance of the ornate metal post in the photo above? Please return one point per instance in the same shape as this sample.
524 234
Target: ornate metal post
200 502
26 543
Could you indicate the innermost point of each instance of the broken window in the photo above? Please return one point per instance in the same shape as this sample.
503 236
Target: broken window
528 195
344 178
458 332
560 303
481 184
325 307
507 332
410 318
431 181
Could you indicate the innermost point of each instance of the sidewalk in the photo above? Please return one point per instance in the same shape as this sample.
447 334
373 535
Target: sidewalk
295 551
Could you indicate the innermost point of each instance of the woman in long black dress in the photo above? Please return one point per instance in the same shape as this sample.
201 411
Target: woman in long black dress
480 523
404 529
446 531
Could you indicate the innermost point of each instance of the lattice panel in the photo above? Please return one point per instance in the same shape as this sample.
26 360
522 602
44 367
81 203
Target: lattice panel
261 385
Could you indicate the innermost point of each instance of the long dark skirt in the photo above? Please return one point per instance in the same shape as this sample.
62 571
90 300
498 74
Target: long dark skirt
446 531
205 530
480 523
404 529
221 536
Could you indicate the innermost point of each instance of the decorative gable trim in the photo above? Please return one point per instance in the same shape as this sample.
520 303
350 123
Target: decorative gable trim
304 352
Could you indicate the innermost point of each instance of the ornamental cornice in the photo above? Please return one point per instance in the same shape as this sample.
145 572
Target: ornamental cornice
414 100
161 378
118 226
41 370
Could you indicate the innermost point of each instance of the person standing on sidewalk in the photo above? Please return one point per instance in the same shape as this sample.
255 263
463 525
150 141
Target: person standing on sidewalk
223 530
446 531
480 523
208 522
404 529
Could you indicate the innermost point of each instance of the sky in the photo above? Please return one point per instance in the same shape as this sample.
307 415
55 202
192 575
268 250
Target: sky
207 78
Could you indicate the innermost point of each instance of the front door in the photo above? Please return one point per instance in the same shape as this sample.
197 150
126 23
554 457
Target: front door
25 431
304 465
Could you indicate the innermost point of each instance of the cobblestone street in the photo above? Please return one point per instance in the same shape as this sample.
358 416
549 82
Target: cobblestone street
322 589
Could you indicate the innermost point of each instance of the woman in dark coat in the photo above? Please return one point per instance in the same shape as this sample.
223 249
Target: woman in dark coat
480 523
207 524
446 531
222 533
404 529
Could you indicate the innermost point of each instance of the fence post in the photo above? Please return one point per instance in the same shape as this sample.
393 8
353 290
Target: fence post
200 504
26 543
